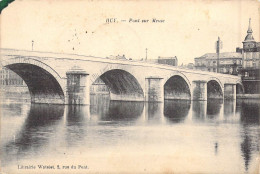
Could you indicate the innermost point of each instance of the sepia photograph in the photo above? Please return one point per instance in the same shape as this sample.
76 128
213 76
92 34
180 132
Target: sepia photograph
130 86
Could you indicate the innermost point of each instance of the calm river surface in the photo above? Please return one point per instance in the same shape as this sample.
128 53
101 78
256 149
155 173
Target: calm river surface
134 137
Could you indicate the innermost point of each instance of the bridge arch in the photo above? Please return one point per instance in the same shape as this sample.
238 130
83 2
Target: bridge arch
214 89
177 86
44 83
239 88
122 85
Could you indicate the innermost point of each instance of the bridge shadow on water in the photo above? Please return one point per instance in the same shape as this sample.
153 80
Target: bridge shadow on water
206 110
70 126
176 110
130 112
39 126
114 111
250 136
213 108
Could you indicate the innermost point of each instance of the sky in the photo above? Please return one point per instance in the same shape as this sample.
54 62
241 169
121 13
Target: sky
190 28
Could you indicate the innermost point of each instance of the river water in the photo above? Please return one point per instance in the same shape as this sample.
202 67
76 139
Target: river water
131 137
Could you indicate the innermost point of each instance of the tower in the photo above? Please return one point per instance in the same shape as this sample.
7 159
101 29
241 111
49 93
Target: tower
249 46
249 37
251 63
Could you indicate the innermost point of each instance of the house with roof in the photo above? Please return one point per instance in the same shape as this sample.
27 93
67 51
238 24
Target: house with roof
229 62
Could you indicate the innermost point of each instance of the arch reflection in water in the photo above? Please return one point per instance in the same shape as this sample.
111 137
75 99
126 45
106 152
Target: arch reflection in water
153 112
249 111
250 133
106 110
229 107
77 114
230 111
176 110
209 109
199 109
12 120
77 121
213 108
37 130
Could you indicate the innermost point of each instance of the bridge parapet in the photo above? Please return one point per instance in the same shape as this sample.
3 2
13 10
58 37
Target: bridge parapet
127 80
60 57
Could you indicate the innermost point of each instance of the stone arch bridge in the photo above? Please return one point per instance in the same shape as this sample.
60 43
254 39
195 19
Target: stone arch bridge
66 78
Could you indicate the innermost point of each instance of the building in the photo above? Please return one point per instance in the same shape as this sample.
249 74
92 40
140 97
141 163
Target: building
168 60
229 62
117 57
12 85
10 78
250 62
190 66
99 87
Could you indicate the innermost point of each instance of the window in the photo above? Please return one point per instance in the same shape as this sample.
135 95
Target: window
248 55
247 64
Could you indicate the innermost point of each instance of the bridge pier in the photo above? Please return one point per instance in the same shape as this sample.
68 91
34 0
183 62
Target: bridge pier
199 109
126 97
230 91
47 98
199 90
154 89
77 87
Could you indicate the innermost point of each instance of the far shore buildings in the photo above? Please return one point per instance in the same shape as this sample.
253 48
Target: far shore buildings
11 83
229 62
172 61
244 62
8 78
117 57
99 87
168 60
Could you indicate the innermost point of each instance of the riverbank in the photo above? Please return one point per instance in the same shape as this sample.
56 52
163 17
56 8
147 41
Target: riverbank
248 96
25 96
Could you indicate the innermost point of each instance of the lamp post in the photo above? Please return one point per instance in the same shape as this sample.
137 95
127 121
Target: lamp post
218 47
32 44
146 54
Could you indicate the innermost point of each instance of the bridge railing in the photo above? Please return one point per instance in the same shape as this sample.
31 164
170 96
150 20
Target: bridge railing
8 53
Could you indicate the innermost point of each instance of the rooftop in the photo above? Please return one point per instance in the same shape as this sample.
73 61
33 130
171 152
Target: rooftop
249 37
174 57
221 55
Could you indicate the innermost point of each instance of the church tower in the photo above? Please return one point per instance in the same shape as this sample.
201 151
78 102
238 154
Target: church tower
251 63
249 41
250 55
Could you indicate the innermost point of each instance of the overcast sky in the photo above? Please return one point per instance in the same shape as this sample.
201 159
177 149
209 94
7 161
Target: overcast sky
190 28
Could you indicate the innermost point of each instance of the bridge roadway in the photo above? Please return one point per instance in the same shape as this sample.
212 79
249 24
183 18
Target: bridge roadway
66 78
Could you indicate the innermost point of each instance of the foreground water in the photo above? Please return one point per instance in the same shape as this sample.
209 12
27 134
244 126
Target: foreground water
131 137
